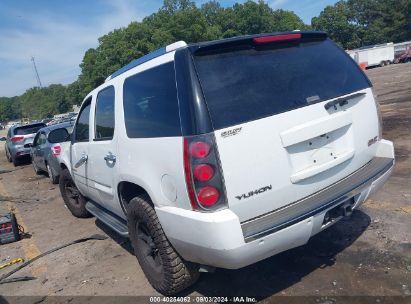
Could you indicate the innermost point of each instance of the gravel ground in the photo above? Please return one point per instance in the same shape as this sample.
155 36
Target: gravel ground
366 255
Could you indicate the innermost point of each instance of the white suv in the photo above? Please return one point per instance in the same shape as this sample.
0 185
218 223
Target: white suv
224 153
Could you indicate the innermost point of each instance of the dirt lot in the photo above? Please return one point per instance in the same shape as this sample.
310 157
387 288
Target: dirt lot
369 254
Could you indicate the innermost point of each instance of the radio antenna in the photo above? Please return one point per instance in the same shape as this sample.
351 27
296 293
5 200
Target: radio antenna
36 72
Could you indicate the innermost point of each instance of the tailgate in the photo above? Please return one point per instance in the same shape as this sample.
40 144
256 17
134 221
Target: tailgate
27 133
28 139
278 160
292 115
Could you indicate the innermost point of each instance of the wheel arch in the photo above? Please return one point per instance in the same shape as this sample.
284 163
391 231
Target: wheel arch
127 191
63 166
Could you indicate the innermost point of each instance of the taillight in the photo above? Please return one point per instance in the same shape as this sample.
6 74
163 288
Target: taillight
208 196
276 38
199 149
17 138
204 180
203 172
56 150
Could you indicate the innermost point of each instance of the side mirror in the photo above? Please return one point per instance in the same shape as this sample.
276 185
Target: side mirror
3 138
58 136
29 145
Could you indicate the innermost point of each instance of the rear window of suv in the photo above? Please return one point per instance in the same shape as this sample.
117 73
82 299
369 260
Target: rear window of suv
246 85
30 129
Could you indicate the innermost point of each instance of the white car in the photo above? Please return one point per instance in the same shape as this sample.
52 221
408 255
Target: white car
224 153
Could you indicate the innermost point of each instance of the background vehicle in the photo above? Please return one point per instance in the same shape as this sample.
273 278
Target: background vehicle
405 57
223 153
377 55
46 148
17 137
46 120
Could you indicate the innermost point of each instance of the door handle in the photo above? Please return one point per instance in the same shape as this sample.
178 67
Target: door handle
110 158
81 161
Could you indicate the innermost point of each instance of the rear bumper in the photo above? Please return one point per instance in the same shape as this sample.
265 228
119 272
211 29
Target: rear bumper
219 239
19 151
345 189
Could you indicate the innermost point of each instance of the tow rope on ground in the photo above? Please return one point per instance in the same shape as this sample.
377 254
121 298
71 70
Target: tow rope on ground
82 240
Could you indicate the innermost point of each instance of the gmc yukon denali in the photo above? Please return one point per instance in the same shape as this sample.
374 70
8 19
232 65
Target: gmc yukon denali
224 153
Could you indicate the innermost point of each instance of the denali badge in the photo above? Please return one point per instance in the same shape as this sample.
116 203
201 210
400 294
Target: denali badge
231 132
255 192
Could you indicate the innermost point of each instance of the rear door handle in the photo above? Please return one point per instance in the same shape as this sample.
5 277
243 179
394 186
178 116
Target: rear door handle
81 161
110 158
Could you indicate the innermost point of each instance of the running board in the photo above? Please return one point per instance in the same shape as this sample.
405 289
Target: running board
108 218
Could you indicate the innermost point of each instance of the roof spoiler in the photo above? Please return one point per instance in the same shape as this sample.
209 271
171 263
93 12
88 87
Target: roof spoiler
251 41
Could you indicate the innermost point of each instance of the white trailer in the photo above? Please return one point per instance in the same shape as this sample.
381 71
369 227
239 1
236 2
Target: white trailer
376 55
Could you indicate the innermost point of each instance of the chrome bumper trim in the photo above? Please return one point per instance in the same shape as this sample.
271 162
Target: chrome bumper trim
299 210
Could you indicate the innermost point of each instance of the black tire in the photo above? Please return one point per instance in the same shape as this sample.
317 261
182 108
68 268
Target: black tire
36 169
166 271
72 197
8 156
16 161
54 179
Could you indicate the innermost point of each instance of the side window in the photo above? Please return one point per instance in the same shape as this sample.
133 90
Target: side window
83 123
105 114
150 103
42 139
36 139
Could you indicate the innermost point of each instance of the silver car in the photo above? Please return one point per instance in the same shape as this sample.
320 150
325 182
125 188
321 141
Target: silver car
46 147
17 137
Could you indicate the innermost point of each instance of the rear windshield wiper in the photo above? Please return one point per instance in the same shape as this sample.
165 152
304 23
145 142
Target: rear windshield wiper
342 100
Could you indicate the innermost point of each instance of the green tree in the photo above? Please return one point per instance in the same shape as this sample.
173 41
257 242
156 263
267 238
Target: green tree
178 20
9 108
73 93
351 23
355 23
336 21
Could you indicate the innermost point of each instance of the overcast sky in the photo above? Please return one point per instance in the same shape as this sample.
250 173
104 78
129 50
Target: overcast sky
57 33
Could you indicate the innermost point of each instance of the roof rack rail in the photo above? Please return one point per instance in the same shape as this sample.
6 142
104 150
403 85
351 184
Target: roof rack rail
149 56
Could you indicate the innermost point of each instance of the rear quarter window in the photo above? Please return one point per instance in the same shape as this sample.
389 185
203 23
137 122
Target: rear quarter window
150 103
245 85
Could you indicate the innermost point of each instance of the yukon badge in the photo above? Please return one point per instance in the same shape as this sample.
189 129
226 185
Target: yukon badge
231 132
255 192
